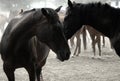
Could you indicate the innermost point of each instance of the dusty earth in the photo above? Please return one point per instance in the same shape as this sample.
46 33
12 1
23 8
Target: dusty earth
85 67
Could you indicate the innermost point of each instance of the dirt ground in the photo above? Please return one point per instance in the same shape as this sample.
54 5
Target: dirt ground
85 67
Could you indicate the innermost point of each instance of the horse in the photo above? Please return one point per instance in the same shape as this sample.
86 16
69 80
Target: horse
96 38
78 41
101 17
94 35
27 40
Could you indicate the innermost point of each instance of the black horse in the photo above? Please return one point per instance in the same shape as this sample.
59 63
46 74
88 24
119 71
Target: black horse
26 40
102 17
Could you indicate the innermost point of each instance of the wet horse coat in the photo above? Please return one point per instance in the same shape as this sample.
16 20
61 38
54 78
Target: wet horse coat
21 42
102 17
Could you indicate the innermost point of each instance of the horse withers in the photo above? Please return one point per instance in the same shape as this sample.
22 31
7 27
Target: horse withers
24 38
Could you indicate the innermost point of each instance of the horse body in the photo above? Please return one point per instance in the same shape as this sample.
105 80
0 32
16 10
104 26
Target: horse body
102 17
92 14
22 42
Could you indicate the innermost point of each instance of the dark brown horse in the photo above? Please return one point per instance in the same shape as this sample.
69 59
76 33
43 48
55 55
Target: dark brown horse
27 39
101 17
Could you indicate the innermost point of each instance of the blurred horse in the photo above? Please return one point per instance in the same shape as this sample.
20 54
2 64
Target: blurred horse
94 35
26 40
96 38
78 41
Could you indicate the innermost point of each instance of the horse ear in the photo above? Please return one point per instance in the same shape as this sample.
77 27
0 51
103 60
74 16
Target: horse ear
45 12
58 9
70 4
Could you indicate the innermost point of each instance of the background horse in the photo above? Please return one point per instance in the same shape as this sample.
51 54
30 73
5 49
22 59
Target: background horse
21 42
82 32
95 38
102 17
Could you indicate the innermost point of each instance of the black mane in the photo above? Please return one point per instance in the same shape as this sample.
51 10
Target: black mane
93 5
93 14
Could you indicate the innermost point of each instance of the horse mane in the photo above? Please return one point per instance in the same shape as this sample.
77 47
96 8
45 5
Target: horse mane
93 5
96 9
98 5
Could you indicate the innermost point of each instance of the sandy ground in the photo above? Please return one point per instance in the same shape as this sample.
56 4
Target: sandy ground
81 68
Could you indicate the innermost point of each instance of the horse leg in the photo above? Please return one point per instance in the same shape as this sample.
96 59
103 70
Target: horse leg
93 43
75 48
9 71
92 36
103 40
79 46
84 38
39 69
31 71
72 41
41 77
111 44
98 41
38 73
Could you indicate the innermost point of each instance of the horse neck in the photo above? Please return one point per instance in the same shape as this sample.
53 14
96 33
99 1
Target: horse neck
12 38
91 17
26 32
21 40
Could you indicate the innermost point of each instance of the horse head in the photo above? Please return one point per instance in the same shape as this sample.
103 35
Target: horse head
51 33
43 23
71 20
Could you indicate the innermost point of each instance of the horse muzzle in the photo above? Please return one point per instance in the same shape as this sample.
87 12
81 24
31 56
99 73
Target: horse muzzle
62 56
